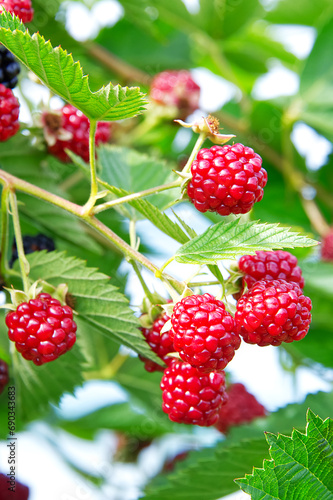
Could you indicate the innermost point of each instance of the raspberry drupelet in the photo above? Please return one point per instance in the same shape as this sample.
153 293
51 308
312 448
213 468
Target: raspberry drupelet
42 329
226 179
241 408
204 332
161 344
272 312
190 396
270 266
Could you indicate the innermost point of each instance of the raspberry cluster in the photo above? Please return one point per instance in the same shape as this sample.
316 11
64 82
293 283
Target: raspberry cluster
226 179
69 129
42 329
272 312
270 266
190 396
4 377
21 8
241 408
204 332
9 113
177 89
33 244
159 343
9 68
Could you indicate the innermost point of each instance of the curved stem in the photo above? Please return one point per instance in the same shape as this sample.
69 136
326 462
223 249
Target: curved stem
135 196
93 178
201 139
24 264
133 240
25 187
4 231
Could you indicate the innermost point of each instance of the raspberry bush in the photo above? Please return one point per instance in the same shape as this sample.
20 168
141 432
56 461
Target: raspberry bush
179 261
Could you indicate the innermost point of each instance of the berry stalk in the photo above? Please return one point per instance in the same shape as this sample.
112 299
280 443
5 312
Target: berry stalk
4 231
24 264
93 177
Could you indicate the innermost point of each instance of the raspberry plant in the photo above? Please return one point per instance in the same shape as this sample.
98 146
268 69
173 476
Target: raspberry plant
79 182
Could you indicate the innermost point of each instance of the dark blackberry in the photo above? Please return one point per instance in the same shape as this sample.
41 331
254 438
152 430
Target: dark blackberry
9 68
33 244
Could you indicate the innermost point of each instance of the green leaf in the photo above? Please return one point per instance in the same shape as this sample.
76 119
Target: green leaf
96 301
58 71
232 239
303 12
208 474
300 465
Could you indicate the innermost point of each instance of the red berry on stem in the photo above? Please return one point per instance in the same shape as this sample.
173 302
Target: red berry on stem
226 179
270 266
42 329
241 408
190 396
272 312
9 113
161 344
176 88
327 247
70 130
4 377
21 8
204 332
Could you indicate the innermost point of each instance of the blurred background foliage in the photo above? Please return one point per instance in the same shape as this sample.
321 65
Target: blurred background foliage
234 44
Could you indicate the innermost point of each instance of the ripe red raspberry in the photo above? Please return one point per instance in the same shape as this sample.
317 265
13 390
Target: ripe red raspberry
272 312
9 113
226 179
327 246
190 396
161 344
4 377
21 8
241 408
178 89
204 332
21 491
69 129
42 329
270 266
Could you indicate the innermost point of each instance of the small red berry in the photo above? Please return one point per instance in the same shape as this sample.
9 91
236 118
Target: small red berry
327 247
241 408
21 8
4 377
69 129
9 113
270 266
272 312
21 491
226 179
42 329
176 88
204 332
161 344
190 396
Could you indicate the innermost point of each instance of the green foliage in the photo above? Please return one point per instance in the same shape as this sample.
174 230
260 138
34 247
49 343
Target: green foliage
300 465
48 63
232 239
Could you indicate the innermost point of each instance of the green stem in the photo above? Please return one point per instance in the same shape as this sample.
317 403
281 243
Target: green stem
133 240
201 139
93 178
203 283
135 196
4 231
24 264
25 187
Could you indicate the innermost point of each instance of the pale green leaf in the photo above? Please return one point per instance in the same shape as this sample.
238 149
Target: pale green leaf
58 71
233 239
300 465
